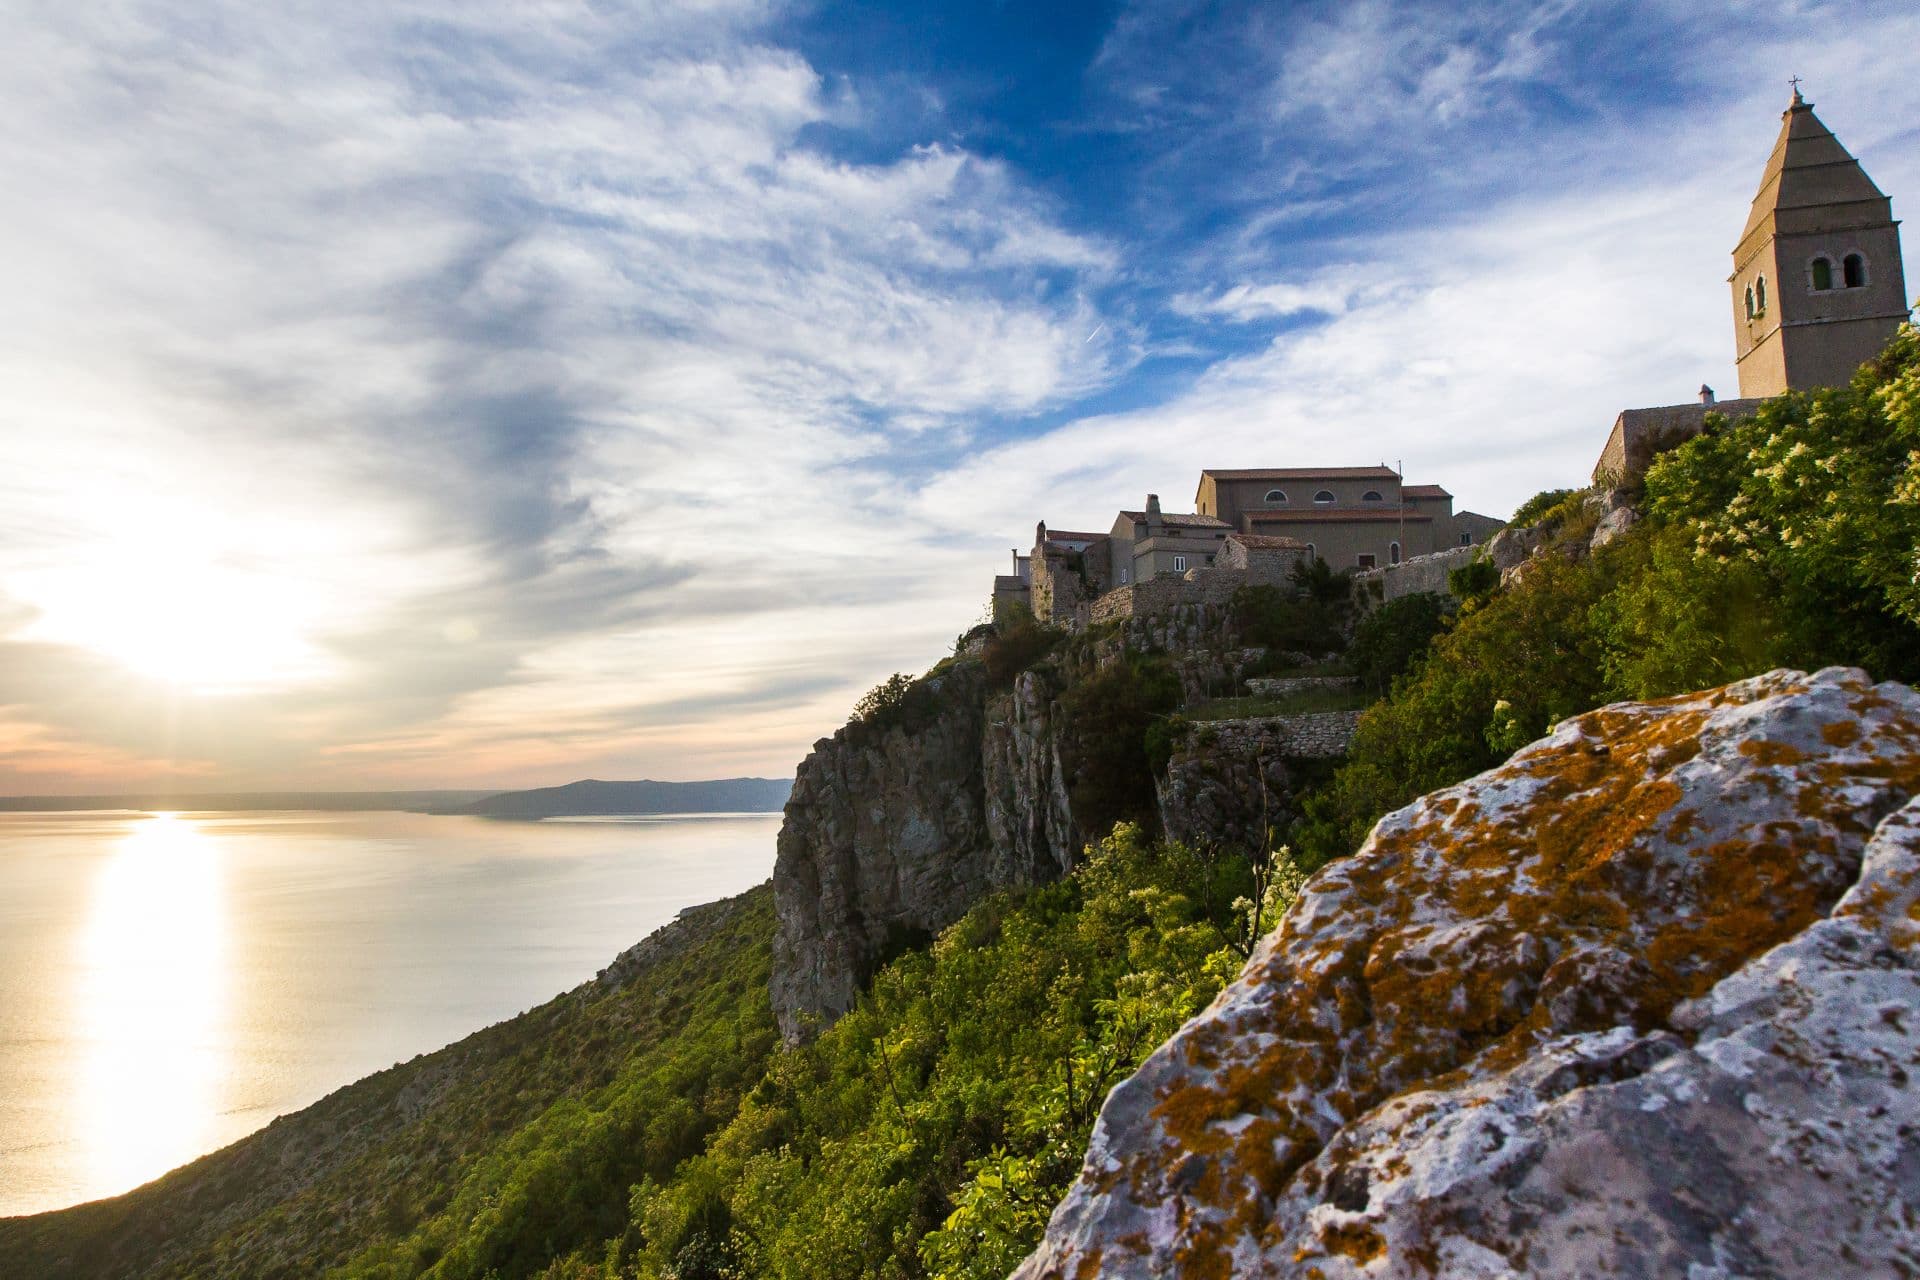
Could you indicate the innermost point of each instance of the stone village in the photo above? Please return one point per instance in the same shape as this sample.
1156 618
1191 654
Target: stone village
1817 289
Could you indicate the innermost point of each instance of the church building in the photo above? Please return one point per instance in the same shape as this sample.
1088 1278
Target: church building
1818 290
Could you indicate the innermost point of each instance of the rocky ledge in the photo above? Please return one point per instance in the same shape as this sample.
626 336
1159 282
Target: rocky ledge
1644 1001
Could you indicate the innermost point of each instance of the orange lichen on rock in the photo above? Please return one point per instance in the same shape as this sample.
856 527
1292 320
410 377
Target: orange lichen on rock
1627 863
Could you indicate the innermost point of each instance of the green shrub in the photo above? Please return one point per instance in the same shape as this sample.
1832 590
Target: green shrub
1282 622
1108 714
1534 509
1017 645
1474 581
1392 637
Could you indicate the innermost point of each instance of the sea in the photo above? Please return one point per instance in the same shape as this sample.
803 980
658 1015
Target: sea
170 982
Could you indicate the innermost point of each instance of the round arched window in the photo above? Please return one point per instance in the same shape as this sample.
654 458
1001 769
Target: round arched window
1760 294
1393 553
1372 495
1276 495
1749 302
1324 496
1854 268
1822 274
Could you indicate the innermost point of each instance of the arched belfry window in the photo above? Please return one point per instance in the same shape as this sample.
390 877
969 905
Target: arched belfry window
1760 295
1323 497
1276 496
1854 269
1750 312
1372 495
1822 274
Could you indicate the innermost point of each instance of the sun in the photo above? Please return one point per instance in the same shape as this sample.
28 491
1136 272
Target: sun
200 623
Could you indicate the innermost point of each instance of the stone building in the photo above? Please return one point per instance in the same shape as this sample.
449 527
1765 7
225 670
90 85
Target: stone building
1351 517
1817 282
1818 290
1145 544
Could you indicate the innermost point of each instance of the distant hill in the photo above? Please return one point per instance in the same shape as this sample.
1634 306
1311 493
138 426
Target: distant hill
248 801
593 798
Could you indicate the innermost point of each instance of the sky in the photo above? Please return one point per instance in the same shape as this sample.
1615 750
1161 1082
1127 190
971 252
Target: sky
431 393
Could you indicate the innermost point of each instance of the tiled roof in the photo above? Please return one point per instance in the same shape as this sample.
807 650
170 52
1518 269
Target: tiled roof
1306 473
1423 491
1267 542
1194 522
1071 535
1345 515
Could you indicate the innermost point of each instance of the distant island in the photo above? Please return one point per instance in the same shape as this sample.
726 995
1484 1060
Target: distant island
440 801
590 798
593 798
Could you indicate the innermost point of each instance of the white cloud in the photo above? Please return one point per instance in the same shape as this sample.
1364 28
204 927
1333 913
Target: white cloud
503 343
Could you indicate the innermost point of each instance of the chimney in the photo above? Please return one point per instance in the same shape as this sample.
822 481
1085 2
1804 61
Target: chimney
1153 512
1706 394
1040 535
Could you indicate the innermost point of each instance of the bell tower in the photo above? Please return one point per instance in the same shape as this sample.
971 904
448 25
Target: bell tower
1818 287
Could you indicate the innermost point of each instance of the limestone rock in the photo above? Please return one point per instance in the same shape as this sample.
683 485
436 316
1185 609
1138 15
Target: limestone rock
1617 515
1644 1001
1509 548
885 833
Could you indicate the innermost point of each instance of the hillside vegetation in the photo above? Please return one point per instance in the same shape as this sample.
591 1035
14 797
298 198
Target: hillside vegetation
648 1126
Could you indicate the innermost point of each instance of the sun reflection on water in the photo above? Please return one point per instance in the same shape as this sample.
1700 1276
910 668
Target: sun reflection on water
151 1005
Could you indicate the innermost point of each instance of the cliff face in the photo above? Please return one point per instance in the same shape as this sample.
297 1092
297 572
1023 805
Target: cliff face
896 827
1643 1001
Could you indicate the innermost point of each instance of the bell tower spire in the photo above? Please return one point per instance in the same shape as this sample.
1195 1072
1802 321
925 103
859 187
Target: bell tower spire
1818 286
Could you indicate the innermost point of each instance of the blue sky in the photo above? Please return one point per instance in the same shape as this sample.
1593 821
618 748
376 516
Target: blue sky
497 394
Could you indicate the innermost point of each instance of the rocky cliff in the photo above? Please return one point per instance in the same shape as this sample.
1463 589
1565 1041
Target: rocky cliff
1644 1001
900 823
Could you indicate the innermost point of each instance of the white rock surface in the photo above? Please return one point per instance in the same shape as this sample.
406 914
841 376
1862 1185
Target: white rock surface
1645 1001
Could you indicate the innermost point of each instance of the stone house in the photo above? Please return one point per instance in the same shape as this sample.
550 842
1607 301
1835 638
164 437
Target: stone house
1351 517
1145 544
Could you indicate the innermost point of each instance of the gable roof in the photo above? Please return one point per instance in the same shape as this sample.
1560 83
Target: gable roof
1423 491
1304 473
1194 522
1807 174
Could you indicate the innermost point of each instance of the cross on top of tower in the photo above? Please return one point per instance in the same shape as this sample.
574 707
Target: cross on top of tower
1795 82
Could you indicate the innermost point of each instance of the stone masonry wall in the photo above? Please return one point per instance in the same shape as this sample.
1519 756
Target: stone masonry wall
1422 574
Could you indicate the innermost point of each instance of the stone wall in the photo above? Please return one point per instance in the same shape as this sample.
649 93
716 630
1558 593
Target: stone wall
1422 574
1165 593
1285 686
1228 781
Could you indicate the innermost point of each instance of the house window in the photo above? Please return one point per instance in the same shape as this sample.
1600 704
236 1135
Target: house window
1393 553
1276 496
1179 564
1323 497
1123 575
1822 274
1854 269
1367 560
1312 554
1466 539
1372 495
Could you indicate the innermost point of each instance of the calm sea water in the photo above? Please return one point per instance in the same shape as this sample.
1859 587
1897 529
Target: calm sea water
169 983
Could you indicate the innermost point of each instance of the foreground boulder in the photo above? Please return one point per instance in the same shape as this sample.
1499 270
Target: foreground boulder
1644 1001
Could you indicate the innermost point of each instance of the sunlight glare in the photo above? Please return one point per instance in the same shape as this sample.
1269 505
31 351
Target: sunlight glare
151 1004
190 620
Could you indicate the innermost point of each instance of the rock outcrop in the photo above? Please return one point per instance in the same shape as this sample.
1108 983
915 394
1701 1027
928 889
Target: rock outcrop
897 826
1644 1001
885 835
